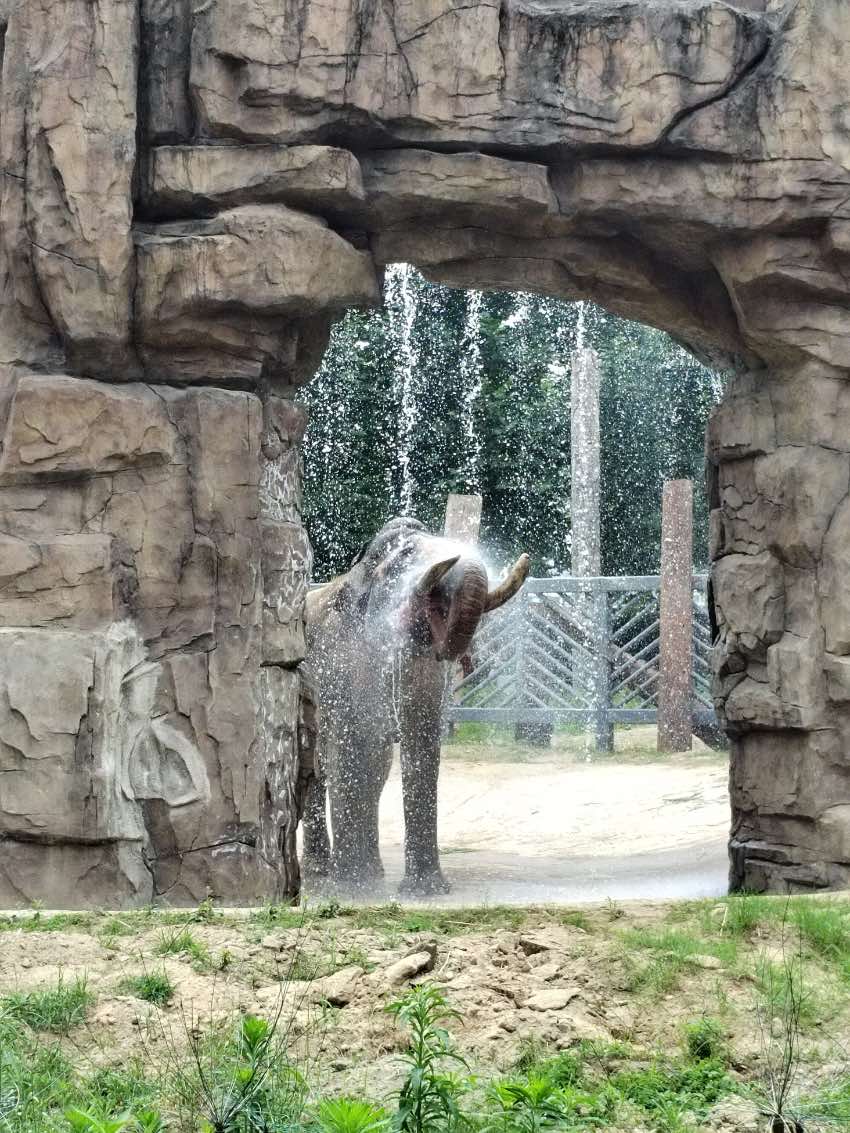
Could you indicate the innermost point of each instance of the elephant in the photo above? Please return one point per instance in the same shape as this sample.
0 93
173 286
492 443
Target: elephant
381 643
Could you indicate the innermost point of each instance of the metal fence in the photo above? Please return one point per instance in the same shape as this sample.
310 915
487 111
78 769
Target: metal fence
582 650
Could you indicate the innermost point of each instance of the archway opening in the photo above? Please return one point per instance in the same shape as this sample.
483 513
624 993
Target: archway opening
446 391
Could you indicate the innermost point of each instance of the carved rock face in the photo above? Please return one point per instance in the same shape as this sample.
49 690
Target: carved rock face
193 192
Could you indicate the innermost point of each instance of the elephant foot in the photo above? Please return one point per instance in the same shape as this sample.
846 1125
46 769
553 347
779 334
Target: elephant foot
315 865
366 880
424 883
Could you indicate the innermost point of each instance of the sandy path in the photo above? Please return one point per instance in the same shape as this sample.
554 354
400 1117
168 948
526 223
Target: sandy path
570 830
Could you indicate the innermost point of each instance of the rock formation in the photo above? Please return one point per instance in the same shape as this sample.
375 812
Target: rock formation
193 192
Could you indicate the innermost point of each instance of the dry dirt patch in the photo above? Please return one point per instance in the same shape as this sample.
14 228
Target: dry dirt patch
622 976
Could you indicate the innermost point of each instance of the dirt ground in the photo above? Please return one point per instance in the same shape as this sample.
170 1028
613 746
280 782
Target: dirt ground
524 825
548 978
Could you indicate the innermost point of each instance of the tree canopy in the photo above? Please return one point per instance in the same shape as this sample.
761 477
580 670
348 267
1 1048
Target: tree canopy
453 391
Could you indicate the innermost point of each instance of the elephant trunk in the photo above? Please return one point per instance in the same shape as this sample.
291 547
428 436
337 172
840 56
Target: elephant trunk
467 590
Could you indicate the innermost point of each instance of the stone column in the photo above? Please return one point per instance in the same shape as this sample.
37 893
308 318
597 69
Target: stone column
779 474
153 568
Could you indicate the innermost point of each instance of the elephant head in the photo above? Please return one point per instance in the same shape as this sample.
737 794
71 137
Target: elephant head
418 589
380 638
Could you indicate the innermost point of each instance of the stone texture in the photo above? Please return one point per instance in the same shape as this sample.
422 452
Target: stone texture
61 427
134 514
185 179
467 74
69 144
414 183
212 293
193 192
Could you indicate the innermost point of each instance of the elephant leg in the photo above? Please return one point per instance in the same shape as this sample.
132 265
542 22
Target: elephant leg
317 844
355 862
420 769
375 788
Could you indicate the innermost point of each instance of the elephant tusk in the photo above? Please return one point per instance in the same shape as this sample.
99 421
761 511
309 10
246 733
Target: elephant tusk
432 576
506 589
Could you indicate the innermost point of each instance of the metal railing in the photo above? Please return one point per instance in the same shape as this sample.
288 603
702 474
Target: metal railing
583 650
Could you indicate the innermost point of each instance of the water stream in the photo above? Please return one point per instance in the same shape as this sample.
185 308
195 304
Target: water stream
401 305
471 371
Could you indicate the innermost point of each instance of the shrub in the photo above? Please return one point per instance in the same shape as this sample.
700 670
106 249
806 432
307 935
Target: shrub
428 1100
705 1039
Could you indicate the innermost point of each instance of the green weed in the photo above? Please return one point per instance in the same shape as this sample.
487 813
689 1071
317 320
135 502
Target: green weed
705 1039
181 942
55 1009
779 984
154 987
668 1092
428 1101
350 1115
118 1089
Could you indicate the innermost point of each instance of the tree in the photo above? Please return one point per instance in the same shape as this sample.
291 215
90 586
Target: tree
446 390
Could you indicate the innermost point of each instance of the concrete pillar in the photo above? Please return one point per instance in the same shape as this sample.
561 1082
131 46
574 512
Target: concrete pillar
675 694
779 486
592 609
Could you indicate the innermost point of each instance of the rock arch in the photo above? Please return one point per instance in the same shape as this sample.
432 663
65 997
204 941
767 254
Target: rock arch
193 192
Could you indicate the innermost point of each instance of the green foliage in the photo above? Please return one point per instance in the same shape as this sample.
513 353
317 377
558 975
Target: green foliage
668 1091
350 1115
822 925
181 942
55 1009
705 1039
428 1101
831 1104
242 1082
655 399
118 1089
154 987
530 1104
562 1069
84 1122
38 922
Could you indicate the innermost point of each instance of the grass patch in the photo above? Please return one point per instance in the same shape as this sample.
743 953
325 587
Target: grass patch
824 925
55 1009
830 1105
674 952
393 919
684 945
576 919
153 987
589 1088
780 984
118 1089
56 922
181 942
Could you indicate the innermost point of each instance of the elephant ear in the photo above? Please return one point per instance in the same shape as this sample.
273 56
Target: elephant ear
510 585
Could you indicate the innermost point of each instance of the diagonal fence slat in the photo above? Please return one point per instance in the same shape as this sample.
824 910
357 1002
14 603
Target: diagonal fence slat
541 657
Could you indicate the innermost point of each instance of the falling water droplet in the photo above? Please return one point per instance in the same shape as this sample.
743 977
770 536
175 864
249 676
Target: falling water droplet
401 303
471 371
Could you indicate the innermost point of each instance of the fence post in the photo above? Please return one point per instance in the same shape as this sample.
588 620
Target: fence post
601 683
675 694
463 518
463 523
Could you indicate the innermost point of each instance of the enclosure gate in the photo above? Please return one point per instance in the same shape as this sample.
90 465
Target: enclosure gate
581 650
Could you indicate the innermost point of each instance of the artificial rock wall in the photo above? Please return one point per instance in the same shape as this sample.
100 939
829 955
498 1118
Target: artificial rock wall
192 192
